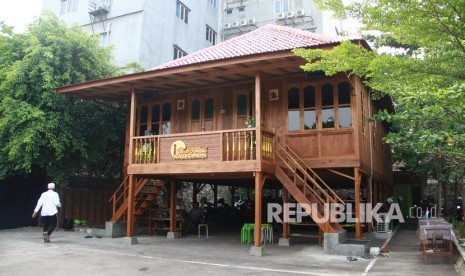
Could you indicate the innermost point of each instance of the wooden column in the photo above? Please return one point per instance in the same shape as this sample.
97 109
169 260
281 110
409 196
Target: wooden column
131 185
285 214
258 118
131 206
258 209
172 206
369 201
132 122
358 226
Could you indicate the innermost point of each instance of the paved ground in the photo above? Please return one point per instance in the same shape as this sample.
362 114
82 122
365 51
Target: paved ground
22 252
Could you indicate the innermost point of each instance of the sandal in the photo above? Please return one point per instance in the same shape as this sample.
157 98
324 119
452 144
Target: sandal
352 259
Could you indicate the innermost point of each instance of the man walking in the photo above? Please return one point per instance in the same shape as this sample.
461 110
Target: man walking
49 201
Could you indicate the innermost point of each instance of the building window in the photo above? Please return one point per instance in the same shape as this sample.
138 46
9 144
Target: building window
182 12
104 39
305 105
213 2
327 106
229 11
241 8
211 35
343 105
68 6
281 6
178 53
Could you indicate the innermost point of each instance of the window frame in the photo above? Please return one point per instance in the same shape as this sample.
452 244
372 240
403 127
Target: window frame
210 35
182 12
318 106
178 52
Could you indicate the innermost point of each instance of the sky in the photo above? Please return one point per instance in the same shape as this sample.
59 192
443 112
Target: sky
19 13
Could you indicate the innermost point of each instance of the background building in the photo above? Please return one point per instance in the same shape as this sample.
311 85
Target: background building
154 32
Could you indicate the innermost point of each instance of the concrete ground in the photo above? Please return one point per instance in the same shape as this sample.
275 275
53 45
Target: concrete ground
22 252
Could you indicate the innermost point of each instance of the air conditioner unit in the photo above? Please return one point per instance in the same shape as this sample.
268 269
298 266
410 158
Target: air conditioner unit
289 14
244 22
383 223
227 26
300 13
252 21
281 16
235 24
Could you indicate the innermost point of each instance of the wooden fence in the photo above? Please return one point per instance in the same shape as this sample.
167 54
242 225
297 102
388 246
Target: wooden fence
90 205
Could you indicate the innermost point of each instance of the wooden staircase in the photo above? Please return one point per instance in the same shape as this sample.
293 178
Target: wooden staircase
145 192
306 186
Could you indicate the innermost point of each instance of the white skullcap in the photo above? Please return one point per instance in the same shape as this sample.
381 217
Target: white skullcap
51 185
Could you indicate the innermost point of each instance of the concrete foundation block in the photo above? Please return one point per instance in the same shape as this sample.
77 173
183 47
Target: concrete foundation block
115 229
332 240
257 251
284 242
130 240
172 235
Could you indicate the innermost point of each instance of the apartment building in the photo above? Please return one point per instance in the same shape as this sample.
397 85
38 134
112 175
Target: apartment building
154 32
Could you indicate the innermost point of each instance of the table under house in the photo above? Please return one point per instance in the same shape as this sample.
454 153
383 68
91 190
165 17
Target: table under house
435 236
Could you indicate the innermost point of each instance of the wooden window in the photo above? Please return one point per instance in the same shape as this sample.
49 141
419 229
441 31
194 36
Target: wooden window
182 12
327 106
309 108
166 119
209 108
343 101
156 119
195 111
242 105
293 107
144 114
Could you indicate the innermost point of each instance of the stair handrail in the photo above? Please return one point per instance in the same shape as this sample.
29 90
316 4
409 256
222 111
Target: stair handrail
304 168
119 192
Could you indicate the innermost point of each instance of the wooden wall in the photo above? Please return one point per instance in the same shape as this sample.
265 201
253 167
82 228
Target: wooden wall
85 204
373 151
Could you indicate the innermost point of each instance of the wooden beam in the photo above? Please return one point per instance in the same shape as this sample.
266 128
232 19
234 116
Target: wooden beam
358 225
342 174
131 207
285 197
172 206
258 118
258 210
132 122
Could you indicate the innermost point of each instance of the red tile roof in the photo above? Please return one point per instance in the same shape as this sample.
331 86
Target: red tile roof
267 39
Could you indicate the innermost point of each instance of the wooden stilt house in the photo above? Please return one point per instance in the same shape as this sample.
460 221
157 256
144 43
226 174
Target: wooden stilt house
243 110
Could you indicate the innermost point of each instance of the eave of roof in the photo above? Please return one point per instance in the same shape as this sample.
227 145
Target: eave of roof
268 42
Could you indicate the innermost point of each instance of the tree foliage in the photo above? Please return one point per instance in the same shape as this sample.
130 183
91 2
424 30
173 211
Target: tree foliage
41 131
426 82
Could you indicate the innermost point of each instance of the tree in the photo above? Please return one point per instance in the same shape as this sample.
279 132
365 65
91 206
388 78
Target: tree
426 82
42 132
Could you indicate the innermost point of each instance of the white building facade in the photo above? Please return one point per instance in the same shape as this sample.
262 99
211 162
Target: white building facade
152 32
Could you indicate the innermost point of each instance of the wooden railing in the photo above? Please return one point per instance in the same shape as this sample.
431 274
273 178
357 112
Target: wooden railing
119 196
145 149
312 181
233 145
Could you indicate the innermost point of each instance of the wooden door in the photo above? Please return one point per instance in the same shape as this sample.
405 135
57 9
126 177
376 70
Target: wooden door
242 107
202 113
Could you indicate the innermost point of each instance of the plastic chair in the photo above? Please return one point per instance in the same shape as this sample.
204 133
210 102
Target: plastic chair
267 233
202 225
